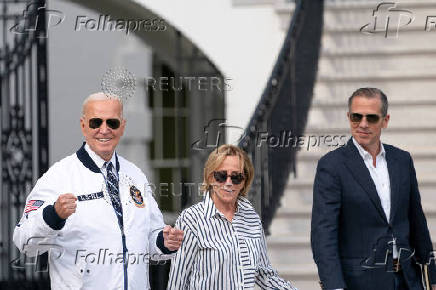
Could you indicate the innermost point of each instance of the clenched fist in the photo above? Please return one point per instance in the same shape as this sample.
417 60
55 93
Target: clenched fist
65 205
172 238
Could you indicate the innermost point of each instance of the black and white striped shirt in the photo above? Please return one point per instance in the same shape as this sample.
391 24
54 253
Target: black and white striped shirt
218 254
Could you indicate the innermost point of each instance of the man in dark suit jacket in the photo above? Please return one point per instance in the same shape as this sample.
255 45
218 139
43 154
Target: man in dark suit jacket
368 227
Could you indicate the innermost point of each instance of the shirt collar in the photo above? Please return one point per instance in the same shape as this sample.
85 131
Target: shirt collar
365 154
211 211
100 162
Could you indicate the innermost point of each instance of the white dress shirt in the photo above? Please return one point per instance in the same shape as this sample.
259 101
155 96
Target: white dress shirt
379 175
100 161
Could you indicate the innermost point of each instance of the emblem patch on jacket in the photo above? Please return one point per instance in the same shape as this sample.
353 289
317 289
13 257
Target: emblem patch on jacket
33 205
136 197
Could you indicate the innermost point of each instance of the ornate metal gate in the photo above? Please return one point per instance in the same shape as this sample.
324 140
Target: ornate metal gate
23 123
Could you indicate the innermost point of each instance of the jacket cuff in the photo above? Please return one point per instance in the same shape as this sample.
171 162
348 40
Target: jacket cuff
52 219
160 244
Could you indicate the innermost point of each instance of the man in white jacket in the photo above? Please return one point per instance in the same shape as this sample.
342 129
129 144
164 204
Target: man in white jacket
94 212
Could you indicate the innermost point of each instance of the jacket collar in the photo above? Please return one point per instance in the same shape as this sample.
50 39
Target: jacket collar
394 178
87 161
365 154
360 172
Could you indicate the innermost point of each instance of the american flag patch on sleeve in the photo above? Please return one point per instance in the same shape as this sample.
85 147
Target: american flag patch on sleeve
33 205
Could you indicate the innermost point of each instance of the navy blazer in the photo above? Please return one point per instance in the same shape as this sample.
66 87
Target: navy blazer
350 234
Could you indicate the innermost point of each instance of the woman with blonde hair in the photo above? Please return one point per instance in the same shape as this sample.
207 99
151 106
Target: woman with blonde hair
224 245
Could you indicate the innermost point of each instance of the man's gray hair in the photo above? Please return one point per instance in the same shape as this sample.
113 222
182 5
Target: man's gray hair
100 96
370 93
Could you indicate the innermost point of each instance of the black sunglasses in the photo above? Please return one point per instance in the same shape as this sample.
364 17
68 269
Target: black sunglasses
95 123
371 118
221 177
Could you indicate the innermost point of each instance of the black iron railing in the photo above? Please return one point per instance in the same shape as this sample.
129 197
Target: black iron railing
284 107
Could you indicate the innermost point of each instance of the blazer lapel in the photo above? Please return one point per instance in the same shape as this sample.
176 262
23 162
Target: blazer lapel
358 169
393 179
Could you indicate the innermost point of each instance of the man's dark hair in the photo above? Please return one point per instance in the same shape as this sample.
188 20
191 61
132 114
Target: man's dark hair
371 93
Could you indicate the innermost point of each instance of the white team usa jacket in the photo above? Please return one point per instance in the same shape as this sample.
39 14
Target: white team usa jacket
88 250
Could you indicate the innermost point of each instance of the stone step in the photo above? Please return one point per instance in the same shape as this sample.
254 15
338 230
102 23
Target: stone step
401 116
248 3
352 40
393 76
416 152
295 223
336 91
302 275
296 273
291 222
377 52
377 66
306 285
325 141
425 164
285 10
352 15
340 17
299 193
395 102
356 4
322 139
280 249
